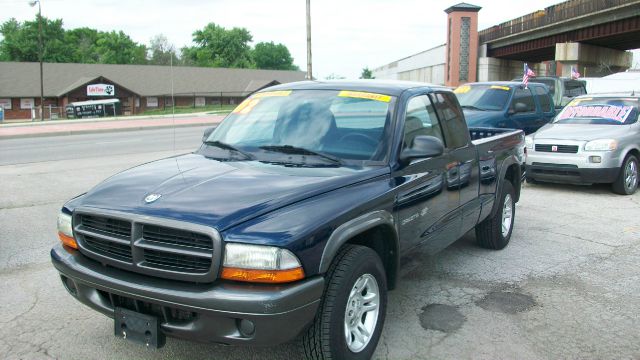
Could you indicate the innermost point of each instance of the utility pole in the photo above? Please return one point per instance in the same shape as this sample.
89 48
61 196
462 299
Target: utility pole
40 55
309 70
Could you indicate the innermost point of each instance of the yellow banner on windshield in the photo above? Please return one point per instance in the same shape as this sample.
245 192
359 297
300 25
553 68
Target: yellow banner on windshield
272 94
364 95
506 88
462 89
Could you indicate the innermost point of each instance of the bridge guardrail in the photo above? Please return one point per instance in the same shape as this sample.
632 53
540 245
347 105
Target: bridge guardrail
552 14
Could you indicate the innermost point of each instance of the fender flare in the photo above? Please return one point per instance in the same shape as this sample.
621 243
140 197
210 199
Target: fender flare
353 227
511 160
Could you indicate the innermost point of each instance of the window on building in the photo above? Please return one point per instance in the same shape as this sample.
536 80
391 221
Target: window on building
152 101
5 104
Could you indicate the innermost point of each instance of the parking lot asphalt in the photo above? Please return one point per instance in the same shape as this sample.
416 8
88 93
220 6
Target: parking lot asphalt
567 286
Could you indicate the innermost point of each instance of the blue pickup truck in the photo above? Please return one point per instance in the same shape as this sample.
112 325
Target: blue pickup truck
291 219
506 104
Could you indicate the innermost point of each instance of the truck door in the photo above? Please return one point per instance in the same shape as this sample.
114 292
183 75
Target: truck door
425 204
522 111
463 157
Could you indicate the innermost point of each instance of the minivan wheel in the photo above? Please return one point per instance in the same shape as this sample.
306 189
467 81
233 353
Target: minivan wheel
495 232
352 311
627 181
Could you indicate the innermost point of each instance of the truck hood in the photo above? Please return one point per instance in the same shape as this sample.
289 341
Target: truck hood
201 190
481 118
579 132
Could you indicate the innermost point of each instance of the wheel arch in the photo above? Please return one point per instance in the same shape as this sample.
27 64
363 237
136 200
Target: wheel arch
375 230
509 171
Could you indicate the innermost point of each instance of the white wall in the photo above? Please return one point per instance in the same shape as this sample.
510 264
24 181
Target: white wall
426 66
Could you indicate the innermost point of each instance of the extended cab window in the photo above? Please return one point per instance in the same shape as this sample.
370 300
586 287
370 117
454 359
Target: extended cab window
525 97
544 99
420 119
455 130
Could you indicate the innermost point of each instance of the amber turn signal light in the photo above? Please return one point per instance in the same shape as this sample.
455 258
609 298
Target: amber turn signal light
68 241
263 276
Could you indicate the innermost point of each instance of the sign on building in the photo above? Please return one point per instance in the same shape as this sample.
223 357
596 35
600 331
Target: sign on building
101 90
200 101
5 104
152 101
27 103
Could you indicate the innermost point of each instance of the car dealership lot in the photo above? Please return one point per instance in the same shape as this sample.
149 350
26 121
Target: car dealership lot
567 286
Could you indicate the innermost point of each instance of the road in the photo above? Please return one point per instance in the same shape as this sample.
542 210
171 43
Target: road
567 286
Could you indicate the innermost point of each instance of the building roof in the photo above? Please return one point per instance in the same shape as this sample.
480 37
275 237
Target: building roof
463 7
22 79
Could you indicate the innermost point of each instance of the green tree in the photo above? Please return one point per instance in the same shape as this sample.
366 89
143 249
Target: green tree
82 43
268 55
118 48
366 74
161 52
219 47
20 41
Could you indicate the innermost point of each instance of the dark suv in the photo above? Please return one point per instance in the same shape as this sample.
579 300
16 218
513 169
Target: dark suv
506 104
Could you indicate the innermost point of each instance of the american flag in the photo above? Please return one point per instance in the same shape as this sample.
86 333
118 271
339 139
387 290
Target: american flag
527 74
574 73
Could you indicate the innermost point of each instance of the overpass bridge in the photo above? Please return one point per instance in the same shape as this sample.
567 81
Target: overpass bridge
591 35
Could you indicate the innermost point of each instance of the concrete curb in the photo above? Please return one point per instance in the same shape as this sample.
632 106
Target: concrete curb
97 131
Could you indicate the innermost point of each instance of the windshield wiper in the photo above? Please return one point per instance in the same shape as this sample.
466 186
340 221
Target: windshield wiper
225 146
472 107
294 150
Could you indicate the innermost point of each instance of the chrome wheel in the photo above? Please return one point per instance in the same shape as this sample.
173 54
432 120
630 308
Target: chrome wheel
631 175
361 313
507 215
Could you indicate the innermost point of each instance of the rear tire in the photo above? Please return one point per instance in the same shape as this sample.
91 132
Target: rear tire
352 310
627 181
495 232
531 180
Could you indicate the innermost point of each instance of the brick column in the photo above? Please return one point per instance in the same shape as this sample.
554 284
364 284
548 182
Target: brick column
462 44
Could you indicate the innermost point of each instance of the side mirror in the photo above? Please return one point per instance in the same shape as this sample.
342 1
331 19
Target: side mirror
424 146
207 132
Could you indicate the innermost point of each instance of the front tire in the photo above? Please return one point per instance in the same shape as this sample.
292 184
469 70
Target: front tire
495 232
627 181
352 311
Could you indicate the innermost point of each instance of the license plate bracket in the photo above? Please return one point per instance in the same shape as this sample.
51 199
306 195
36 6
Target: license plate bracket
137 327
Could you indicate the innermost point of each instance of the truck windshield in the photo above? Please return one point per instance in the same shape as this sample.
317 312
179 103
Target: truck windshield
599 111
348 125
483 97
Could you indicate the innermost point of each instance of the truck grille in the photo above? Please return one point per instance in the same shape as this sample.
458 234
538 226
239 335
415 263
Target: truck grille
565 149
176 237
181 251
108 248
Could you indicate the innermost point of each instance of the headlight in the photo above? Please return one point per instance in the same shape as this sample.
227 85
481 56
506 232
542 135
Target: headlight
65 231
258 263
601 145
528 142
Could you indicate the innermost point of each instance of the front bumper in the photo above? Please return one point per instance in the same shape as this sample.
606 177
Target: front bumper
213 312
572 174
574 168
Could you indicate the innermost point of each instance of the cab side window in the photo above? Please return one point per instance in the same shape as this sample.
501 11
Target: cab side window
543 98
420 119
525 97
450 113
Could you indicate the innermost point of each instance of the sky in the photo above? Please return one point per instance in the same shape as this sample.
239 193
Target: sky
346 35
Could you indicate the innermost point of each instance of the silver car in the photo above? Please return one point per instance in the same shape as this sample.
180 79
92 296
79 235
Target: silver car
594 139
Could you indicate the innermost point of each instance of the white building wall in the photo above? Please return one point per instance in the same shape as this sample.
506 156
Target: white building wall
426 66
